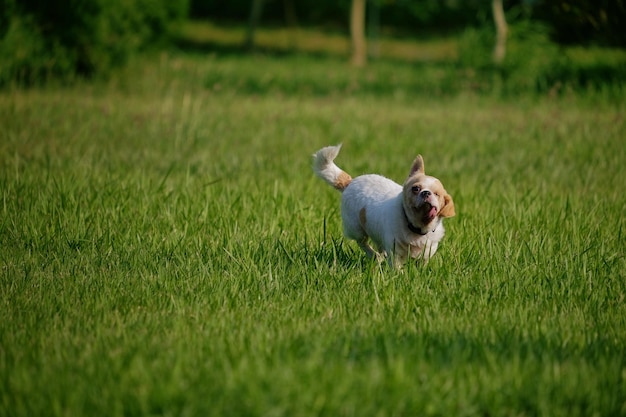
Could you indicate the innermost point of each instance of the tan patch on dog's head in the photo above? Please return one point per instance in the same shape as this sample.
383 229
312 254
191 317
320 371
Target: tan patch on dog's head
363 216
343 180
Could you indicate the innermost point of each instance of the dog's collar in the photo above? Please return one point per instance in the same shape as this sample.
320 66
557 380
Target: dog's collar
416 229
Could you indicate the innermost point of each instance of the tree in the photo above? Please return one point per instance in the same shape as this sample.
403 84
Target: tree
255 17
357 33
502 30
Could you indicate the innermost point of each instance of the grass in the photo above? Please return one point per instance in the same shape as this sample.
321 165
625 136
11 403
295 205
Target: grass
201 34
166 250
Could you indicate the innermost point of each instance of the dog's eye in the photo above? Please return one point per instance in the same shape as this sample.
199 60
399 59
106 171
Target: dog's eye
416 189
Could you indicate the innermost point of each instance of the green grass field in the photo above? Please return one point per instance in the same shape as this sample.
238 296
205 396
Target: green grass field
166 250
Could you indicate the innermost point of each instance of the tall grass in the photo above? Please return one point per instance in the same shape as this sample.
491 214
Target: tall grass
166 250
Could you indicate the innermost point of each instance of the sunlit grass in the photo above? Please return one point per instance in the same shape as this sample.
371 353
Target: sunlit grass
316 41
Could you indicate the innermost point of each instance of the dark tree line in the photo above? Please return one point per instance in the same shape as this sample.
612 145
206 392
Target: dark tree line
569 21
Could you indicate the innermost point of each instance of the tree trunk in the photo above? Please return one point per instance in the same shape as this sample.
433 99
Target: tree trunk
357 33
373 29
292 22
502 29
290 13
255 17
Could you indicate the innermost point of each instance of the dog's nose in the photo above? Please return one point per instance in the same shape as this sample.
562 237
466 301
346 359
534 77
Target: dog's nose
425 194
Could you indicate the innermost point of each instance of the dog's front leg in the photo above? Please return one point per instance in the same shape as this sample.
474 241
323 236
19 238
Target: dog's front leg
396 253
369 251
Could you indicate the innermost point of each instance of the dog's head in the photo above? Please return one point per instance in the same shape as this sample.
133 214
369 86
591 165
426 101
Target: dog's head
425 199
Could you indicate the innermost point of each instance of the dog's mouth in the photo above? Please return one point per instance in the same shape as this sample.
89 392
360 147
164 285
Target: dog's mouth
430 212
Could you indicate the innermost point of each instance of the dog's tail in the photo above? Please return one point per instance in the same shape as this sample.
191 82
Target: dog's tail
326 169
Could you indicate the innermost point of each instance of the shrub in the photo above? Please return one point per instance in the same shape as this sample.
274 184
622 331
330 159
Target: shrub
25 57
64 38
532 63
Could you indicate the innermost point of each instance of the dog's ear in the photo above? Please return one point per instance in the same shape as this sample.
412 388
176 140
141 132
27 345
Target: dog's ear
448 206
418 166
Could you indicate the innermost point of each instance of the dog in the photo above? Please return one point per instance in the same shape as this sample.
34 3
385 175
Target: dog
401 221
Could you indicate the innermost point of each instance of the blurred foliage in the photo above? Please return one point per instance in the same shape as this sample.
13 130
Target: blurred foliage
584 21
567 21
530 60
307 76
403 15
536 64
61 39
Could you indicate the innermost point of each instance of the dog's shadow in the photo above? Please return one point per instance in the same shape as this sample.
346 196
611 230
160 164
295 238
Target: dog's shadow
335 254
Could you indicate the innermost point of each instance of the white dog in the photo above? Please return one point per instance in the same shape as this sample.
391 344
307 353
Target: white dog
401 221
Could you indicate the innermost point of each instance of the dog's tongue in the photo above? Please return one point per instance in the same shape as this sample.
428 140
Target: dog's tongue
432 212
